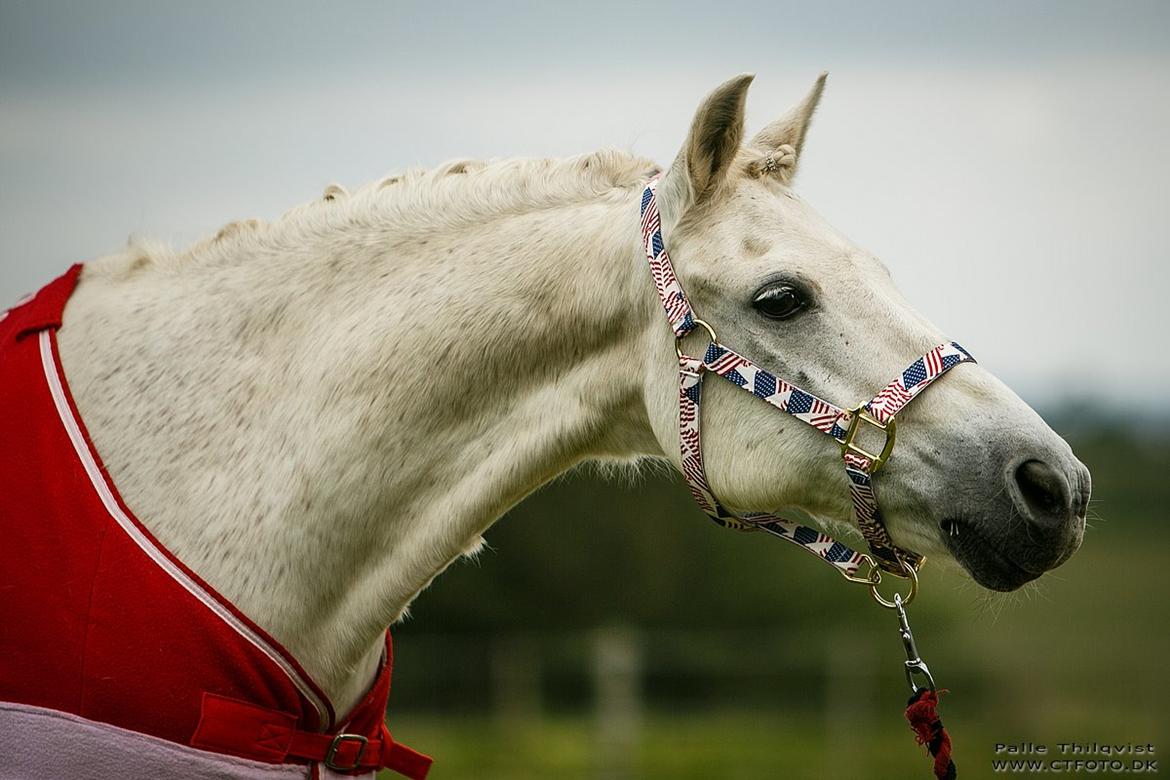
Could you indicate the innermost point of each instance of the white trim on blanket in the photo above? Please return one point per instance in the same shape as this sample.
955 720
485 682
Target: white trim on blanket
104 491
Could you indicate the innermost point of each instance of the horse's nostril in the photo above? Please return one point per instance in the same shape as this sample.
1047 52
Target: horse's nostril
1045 491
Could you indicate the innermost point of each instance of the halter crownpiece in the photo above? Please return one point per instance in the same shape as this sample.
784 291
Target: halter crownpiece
843 425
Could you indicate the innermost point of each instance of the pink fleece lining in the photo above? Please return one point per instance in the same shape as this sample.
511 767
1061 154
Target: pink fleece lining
38 743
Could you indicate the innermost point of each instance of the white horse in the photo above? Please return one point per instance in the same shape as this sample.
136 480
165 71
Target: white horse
320 414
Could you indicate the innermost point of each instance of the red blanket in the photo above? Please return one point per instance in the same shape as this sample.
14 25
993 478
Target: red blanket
99 620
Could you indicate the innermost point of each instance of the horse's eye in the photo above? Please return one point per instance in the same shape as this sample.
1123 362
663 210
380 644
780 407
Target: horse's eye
778 303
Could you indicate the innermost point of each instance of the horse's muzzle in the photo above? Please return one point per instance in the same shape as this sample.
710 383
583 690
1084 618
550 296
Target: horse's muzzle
1036 523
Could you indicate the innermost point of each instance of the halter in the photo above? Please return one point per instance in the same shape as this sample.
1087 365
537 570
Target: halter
844 426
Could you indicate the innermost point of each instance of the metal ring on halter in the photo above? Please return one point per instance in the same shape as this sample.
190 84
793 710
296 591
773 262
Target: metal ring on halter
911 575
698 323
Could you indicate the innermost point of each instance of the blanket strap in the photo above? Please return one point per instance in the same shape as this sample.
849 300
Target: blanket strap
248 731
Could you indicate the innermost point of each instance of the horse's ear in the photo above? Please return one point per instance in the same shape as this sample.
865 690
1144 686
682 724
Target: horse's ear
776 149
709 152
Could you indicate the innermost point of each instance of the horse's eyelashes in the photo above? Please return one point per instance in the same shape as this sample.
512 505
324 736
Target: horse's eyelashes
779 302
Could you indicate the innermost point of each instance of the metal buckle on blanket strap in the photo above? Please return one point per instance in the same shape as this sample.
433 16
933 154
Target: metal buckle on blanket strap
849 444
336 745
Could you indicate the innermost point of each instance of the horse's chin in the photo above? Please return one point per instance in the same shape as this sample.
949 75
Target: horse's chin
988 563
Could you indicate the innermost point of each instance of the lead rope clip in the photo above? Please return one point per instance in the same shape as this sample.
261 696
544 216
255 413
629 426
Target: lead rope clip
914 663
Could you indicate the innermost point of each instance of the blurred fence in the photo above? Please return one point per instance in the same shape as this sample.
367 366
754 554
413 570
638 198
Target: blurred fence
613 679
837 690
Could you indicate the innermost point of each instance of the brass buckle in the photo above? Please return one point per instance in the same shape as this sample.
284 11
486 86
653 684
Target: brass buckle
340 740
890 429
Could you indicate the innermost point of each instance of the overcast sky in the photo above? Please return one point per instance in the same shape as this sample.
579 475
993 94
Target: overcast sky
1007 160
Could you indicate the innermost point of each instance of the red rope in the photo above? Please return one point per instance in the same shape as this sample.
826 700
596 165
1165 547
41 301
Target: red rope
922 714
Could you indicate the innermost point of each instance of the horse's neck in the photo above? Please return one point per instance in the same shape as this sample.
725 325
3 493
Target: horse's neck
319 431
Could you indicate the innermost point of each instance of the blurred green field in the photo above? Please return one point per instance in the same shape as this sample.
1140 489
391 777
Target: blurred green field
736 745
754 663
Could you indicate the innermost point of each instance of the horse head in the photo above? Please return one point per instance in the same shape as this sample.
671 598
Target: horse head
977 478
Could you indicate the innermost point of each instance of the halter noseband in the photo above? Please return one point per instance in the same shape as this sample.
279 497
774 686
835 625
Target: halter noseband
842 425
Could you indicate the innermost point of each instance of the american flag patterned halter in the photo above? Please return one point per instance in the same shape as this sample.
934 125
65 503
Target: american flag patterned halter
842 425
